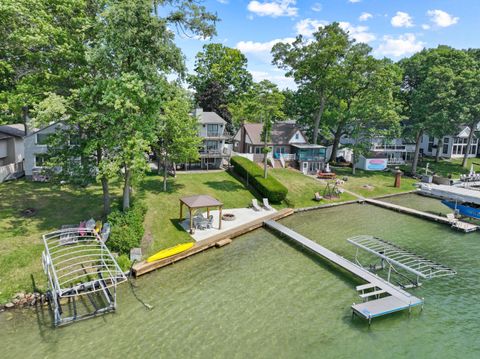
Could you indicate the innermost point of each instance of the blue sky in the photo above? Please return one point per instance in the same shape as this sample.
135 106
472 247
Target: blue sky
393 28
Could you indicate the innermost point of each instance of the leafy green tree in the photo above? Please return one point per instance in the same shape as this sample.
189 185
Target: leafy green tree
315 66
221 76
264 103
177 133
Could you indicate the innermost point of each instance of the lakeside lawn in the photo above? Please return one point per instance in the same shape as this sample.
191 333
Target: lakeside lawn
445 167
373 184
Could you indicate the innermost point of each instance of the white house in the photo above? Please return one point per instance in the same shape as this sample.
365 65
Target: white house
12 151
454 146
211 128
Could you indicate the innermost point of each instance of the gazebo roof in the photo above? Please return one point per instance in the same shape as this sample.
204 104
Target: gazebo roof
200 201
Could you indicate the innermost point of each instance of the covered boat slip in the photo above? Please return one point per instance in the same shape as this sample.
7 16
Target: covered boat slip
80 269
396 256
397 300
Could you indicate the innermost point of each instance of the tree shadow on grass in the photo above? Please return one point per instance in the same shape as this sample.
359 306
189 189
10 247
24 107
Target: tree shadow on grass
154 184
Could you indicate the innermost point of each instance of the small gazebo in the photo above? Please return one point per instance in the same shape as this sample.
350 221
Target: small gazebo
201 201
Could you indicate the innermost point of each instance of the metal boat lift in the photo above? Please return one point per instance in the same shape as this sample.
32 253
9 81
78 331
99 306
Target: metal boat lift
393 255
82 274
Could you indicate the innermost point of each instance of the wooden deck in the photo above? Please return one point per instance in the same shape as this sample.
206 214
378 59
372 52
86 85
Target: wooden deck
144 267
463 226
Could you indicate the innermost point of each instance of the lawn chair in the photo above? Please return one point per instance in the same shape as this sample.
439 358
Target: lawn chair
266 205
255 205
317 197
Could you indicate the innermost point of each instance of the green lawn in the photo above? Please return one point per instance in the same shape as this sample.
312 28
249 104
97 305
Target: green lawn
301 188
162 229
373 183
446 167
20 237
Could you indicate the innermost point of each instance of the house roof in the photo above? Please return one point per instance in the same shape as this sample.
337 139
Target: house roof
200 201
281 133
306 145
36 130
15 130
211 117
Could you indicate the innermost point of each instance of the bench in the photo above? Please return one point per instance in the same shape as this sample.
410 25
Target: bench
365 286
371 294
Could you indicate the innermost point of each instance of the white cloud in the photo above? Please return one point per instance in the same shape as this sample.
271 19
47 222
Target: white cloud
223 1
442 18
273 8
260 47
317 7
425 26
354 1
359 33
365 16
402 19
279 79
402 45
307 27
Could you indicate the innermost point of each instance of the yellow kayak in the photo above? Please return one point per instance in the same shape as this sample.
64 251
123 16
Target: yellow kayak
179 248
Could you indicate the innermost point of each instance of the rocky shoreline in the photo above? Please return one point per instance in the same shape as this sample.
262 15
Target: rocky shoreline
24 300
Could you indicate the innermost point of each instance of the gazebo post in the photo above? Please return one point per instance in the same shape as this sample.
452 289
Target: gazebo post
181 210
191 220
208 212
220 217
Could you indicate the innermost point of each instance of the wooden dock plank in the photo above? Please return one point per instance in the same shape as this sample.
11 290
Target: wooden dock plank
464 226
144 267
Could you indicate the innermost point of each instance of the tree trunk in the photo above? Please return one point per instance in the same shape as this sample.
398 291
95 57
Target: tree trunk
353 163
439 149
165 174
126 190
105 186
469 145
159 163
265 161
417 152
106 196
318 118
336 143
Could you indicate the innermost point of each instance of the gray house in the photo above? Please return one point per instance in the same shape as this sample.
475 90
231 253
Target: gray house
11 151
211 128
36 150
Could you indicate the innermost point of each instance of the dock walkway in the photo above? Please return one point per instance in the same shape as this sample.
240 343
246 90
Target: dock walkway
398 299
460 225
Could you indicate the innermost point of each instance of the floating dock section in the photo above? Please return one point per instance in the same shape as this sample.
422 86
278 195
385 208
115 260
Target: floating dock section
456 224
397 298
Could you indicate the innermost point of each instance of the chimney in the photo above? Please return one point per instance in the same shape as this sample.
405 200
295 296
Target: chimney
198 112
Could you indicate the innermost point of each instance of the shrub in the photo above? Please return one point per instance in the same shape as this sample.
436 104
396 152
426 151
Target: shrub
127 228
269 187
124 262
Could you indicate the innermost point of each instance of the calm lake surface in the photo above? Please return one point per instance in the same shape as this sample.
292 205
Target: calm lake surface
264 297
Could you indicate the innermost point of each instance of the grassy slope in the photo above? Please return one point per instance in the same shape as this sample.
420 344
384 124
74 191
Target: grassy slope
301 188
382 182
161 223
446 167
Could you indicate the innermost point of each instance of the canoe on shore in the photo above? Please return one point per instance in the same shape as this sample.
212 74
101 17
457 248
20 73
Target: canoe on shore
179 248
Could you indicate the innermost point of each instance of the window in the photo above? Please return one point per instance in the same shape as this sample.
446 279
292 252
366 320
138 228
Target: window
212 130
430 143
297 136
42 138
40 160
445 146
211 145
258 150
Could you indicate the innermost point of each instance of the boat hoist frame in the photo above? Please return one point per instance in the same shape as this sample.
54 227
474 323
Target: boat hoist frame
394 256
80 270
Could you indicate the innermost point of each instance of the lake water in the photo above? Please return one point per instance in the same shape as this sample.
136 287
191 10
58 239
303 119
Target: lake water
264 297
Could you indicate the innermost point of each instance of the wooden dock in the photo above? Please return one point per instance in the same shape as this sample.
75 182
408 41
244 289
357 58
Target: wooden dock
218 240
460 225
397 300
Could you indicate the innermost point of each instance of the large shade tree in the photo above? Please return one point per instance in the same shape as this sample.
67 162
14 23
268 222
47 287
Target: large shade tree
220 77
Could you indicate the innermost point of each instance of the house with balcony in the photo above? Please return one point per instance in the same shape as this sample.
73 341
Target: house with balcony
211 128
288 143
452 146
12 151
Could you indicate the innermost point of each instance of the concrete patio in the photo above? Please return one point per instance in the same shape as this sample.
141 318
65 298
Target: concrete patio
242 216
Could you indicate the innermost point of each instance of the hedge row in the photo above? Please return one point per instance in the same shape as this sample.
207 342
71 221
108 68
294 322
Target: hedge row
127 228
270 187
